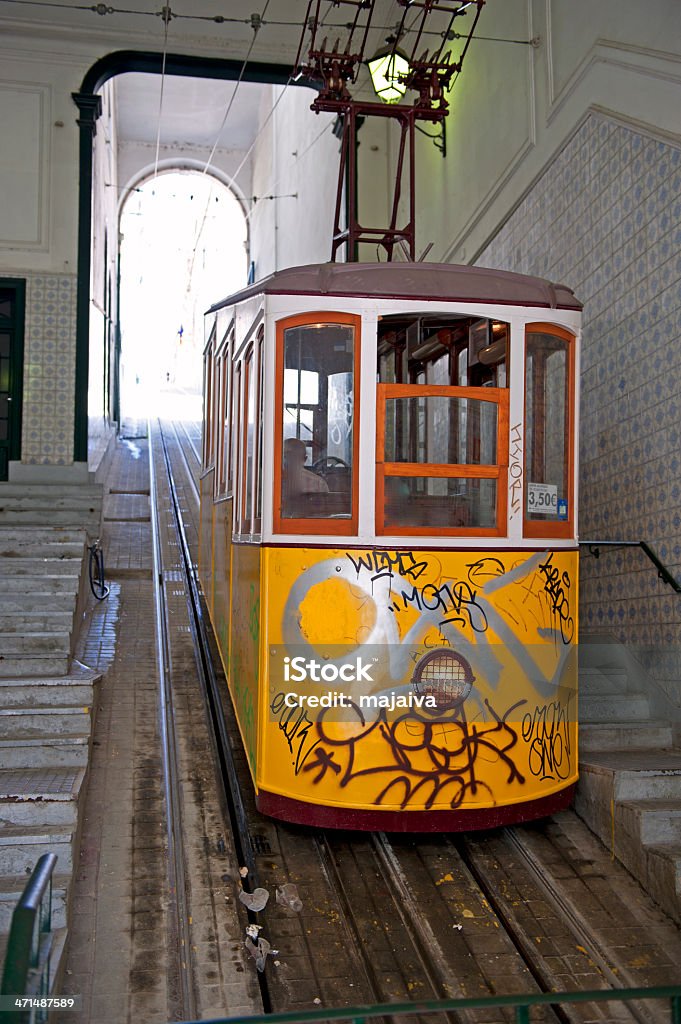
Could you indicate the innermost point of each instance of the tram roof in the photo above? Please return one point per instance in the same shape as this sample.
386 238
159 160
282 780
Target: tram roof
429 281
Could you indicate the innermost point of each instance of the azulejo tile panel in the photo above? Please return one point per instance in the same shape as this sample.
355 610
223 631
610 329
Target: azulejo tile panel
49 369
608 211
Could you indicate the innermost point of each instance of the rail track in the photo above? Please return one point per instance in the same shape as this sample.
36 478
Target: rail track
400 918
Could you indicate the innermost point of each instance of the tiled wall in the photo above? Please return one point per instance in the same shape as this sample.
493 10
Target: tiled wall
49 369
605 219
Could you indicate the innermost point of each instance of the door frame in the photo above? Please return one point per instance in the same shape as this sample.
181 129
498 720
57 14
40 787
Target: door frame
17 327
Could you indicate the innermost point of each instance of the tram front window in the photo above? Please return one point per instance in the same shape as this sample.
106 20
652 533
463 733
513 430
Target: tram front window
442 424
548 412
317 422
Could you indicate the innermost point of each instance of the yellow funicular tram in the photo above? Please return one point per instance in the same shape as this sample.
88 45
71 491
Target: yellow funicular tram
389 541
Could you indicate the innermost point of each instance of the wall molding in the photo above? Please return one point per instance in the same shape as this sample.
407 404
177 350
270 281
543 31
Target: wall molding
41 240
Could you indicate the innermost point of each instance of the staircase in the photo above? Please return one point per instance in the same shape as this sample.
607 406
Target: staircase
629 792
46 699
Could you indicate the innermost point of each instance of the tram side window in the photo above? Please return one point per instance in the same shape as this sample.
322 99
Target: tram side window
208 369
316 430
548 426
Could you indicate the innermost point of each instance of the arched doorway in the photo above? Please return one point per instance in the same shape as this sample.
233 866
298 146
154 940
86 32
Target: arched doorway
183 246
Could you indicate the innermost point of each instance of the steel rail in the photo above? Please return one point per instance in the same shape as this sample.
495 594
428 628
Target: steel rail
231 792
179 919
578 924
523 942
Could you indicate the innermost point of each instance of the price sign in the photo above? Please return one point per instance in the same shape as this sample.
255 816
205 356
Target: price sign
542 499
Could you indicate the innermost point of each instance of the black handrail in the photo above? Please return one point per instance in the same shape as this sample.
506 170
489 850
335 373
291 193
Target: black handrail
28 946
662 571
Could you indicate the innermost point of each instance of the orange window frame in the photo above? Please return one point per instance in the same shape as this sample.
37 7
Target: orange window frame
498 472
321 526
559 528
258 432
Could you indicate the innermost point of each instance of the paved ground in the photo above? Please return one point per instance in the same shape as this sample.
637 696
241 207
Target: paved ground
121 957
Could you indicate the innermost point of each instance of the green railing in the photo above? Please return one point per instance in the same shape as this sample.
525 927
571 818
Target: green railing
29 946
522 1004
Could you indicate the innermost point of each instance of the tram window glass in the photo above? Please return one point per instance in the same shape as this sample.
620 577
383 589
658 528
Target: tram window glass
208 402
443 433
548 428
442 428
248 443
238 445
317 422
257 517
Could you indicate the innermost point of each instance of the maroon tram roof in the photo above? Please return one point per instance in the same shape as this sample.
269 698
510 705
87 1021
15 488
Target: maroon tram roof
432 281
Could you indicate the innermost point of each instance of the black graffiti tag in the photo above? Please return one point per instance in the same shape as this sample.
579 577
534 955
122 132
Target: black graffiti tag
557 587
546 731
296 726
384 564
458 603
451 746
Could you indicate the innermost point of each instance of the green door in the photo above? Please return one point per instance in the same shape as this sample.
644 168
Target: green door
11 370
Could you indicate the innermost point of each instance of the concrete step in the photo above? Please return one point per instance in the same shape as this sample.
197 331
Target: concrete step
33 602
11 889
40 586
40 797
593 682
29 667
632 801
595 736
625 707
33 723
32 566
20 848
36 621
46 491
88 518
44 501
34 644
54 752
55 534
39 546
59 691
652 821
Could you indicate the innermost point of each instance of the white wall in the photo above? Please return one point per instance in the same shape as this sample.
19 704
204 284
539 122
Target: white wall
514 107
296 160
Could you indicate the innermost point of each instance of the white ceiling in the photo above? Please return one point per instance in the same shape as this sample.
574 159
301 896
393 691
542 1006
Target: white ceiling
192 113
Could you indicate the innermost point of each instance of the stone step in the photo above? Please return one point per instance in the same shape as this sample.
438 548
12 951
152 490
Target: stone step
37 547
624 736
31 566
33 723
43 621
627 707
43 501
20 848
50 535
632 800
11 889
652 821
54 752
33 489
60 691
40 797
33 602
34 667
33 644
593 682
43 585
88 518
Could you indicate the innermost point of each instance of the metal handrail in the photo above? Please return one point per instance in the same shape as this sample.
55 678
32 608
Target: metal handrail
521 1001
662 571
27 960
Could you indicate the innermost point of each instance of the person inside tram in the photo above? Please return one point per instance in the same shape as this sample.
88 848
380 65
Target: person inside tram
299 484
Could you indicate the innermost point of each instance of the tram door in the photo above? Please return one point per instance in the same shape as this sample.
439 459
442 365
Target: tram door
11 371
